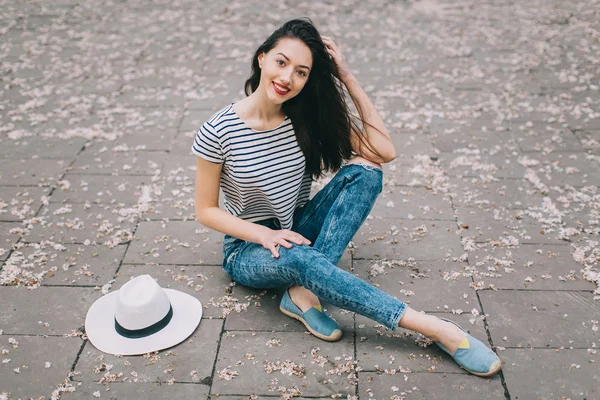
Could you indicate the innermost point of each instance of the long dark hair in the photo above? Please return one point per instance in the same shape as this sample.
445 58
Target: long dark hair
319 113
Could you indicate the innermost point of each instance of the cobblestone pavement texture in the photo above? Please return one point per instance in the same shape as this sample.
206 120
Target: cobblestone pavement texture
489 215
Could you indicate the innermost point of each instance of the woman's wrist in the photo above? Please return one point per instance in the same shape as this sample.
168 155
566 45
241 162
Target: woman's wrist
263 231
347 77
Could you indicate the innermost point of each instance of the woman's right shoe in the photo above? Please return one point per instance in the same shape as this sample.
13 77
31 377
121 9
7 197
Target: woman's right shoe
316 321
474 356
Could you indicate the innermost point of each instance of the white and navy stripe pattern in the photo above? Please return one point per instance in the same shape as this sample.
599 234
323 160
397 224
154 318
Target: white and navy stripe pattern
263 173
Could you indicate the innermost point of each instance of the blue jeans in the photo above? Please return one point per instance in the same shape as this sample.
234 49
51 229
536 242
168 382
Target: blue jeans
329 220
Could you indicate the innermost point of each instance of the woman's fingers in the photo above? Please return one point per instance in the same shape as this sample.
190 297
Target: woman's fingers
273 249
296 237
283 239
285 243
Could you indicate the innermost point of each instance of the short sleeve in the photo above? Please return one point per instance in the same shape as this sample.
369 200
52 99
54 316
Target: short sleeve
207 144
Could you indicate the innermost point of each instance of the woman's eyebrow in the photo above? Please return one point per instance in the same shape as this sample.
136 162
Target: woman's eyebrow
301 66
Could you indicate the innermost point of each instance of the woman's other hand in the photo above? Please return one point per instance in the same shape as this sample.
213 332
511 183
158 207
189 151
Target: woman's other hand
335 53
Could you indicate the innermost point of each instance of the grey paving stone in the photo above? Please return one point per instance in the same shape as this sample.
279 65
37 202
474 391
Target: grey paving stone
429 386
408 145
590 140
379 349
551 373
216 93
191 122
102 159
153 138
177 180
40 147
492 140
253 354
153 76
449 139
100 189
397 240
42 364
398 173
263 313
529 266
175 242
204 282
65 265
32 172
196 353
182 143
541 318
101 84
496 226
476 163
507 193
424 285
547 138
19 203
27 311
566 168
412 203
126 390
144 96
8 237
107 224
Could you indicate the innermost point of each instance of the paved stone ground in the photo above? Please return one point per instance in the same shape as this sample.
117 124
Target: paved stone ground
489 215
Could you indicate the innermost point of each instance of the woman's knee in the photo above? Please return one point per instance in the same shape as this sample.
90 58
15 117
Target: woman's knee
370 175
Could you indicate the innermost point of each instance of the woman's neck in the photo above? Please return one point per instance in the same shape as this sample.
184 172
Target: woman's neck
257 107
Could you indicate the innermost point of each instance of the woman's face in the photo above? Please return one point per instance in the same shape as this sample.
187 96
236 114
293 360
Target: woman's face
284 69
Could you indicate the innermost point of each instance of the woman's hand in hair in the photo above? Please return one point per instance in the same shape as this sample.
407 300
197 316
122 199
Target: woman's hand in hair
282 237
336 55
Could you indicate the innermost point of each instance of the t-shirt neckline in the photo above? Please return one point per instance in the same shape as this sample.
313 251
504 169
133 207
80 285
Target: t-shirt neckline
252 129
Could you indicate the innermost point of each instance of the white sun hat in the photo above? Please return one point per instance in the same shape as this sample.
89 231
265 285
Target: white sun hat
141 317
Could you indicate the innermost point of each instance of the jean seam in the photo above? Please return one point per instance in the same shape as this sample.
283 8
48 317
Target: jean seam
336 204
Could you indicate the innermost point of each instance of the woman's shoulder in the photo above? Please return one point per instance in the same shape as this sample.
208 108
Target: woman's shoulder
218 120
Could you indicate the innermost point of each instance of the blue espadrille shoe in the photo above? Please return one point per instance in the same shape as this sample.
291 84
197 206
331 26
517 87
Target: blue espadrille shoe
474 356
316 321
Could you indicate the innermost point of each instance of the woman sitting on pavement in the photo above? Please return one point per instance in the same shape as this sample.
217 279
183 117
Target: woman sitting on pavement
264 152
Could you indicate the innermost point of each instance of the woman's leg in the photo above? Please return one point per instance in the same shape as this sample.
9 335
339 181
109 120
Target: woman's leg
304 266
332 218
334 215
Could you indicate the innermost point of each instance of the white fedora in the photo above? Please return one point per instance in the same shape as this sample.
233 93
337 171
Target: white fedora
141 317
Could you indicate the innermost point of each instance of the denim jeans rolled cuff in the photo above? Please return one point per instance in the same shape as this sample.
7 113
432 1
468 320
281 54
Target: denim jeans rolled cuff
397 316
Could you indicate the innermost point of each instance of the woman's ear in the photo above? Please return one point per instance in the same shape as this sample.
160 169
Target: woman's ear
261 58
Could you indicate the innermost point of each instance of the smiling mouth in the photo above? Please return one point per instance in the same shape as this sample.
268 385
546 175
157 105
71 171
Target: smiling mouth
279 90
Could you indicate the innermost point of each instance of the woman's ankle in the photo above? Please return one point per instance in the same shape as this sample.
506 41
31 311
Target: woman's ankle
303 298
425 324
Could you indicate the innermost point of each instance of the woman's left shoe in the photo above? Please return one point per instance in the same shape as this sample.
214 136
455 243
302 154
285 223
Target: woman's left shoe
474 356
316 321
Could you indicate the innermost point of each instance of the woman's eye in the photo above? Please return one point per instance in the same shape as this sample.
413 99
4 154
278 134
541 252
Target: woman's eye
302 73
280 61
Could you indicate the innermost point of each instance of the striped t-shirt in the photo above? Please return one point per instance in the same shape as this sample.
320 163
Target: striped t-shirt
263 174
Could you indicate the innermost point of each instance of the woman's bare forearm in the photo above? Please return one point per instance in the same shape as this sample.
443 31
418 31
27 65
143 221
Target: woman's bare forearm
379 141
222 221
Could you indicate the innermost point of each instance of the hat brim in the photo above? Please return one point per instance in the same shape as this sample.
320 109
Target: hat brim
100 325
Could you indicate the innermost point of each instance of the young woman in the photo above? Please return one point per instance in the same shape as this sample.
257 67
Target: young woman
265 150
